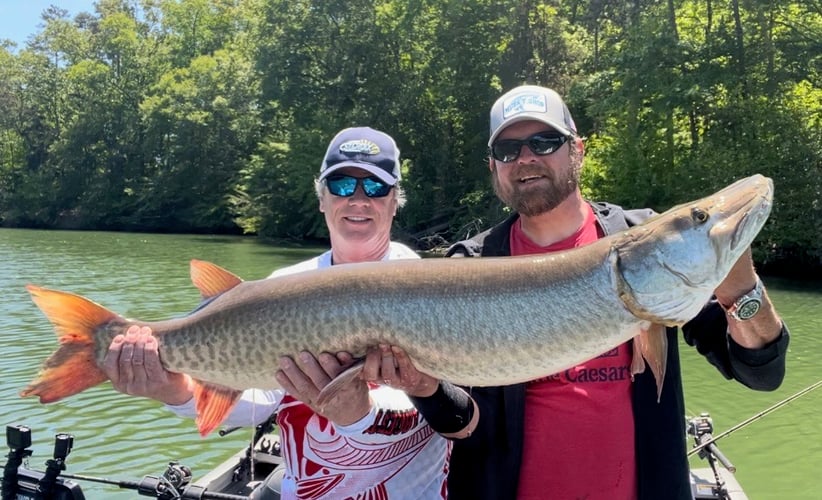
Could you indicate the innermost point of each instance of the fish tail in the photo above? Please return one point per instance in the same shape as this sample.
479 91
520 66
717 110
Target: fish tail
72 368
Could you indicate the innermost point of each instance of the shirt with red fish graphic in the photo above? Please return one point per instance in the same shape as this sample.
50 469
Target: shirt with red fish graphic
390 453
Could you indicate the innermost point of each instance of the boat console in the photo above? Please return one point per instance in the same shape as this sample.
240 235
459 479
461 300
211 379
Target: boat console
21 483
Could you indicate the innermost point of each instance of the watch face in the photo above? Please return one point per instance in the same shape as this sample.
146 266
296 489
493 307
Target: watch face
748 309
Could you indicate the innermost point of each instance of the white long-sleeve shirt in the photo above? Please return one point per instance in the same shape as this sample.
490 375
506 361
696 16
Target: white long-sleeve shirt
391 452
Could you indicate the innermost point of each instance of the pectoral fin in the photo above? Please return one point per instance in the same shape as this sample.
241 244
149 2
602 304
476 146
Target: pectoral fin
651 347
342 380
213 404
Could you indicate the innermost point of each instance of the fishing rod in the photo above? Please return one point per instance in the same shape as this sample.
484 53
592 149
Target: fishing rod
173 484
759 415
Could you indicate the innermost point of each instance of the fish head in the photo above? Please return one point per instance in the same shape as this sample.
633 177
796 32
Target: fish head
668 267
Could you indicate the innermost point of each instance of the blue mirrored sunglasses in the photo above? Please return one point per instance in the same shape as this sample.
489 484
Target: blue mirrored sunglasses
544 143
345 185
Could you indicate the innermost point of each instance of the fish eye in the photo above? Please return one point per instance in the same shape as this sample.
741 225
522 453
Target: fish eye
699 215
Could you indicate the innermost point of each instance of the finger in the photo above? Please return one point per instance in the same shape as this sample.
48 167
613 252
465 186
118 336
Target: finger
126 355
133 330
371 367
139 381
330 365
312 368
154 369
345 359
388 368
413 380
284 380
295 381
139 353
111 362
407 371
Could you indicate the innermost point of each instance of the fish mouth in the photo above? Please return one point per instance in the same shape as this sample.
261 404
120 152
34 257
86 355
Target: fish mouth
747 214
750 222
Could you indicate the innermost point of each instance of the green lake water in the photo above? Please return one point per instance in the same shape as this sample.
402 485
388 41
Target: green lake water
146 276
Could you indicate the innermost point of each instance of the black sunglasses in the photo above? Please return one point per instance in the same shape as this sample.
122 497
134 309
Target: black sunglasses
345 185
543 143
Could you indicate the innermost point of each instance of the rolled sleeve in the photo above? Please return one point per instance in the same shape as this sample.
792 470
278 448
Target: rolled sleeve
761 369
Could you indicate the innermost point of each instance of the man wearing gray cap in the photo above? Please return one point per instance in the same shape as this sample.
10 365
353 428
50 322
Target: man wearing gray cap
592 431
369 441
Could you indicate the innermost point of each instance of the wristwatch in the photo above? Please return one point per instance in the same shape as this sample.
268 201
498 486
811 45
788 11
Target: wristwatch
746 306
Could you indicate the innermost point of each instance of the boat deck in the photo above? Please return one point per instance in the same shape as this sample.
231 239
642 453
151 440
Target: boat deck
703 484
235 477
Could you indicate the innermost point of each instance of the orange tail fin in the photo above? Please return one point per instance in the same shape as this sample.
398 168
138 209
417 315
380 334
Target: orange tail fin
72 368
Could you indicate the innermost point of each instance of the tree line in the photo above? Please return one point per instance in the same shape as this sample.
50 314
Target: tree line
213 115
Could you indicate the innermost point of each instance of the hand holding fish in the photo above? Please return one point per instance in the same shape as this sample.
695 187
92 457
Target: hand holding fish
303 378
390 365
133 365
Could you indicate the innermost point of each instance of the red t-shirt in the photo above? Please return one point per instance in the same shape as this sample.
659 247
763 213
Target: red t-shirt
579 424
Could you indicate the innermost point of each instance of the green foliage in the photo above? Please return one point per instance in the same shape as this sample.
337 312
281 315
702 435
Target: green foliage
213 115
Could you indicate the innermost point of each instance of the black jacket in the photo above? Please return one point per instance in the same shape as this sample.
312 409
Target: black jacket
486 465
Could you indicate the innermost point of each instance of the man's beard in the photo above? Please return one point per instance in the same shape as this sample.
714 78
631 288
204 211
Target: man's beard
530 201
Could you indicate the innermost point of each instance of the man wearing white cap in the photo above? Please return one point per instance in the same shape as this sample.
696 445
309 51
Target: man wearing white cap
369 441
591 432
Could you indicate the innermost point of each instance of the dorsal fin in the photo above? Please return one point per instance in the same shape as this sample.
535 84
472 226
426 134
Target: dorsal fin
211 279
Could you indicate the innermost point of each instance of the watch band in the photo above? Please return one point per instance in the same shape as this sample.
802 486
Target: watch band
748 305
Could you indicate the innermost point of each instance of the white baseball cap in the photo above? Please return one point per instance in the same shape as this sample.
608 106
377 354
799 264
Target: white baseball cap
531 102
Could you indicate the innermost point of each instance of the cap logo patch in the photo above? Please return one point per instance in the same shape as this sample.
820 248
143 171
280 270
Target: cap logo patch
524 103
361 146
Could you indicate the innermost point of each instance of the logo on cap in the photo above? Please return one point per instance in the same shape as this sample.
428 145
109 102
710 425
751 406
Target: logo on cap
525 103
361 146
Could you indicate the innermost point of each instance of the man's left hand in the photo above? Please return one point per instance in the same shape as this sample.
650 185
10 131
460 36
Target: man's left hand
391 366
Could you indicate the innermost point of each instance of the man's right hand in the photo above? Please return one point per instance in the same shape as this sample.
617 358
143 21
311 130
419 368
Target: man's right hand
133 366
307 375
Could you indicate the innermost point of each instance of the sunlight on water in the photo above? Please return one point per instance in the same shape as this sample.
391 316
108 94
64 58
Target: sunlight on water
146 276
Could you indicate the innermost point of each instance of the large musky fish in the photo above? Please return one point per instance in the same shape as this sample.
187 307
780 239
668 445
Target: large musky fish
474 322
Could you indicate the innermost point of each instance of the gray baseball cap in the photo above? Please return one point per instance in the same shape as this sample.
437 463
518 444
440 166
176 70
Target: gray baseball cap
365 148
530 102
